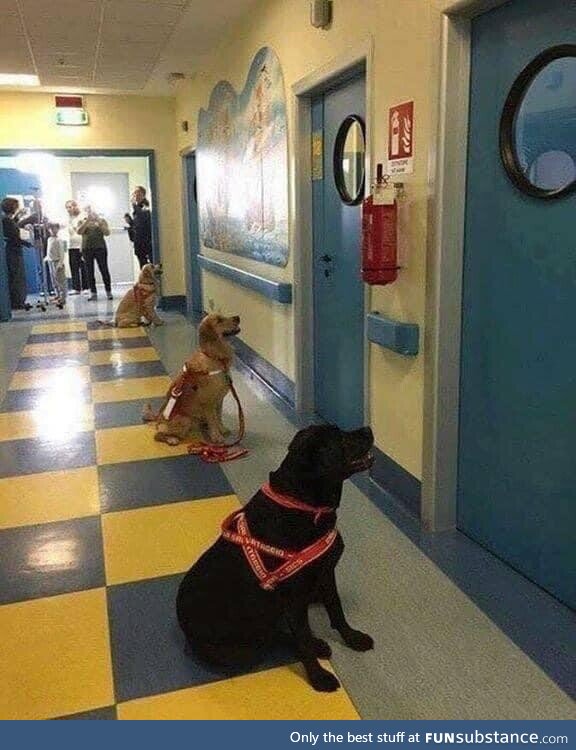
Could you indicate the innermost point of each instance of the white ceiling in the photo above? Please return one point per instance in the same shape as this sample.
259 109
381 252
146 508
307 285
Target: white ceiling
112 45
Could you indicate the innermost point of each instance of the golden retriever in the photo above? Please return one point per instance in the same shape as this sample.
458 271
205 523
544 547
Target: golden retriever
203 386
140 301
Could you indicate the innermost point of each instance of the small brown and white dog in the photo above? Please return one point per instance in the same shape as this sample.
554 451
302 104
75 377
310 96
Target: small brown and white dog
140 301
202 386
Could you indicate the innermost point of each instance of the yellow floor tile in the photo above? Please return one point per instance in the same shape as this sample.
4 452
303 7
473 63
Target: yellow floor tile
115 333
70 327
135 443
159 541
281 693
55 656
47 497
121 356
128 389
55 348
52 419
52 377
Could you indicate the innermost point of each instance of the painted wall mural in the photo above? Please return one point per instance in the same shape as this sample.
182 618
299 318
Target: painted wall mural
242 159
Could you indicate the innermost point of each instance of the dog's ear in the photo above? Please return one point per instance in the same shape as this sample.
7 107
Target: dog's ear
206 332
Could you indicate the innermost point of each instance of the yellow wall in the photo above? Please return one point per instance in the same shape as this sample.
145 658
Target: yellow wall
405 37
27 120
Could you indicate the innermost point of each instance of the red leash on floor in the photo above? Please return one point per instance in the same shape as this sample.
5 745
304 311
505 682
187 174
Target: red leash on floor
217 454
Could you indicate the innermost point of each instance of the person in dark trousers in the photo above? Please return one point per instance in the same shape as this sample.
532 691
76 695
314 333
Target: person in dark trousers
93 229
14 254
142 226
77 267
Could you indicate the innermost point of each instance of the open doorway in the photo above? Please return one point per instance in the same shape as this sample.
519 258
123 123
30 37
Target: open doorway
103 180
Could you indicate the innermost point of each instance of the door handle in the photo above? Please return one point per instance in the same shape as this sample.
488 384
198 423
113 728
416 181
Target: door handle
326 258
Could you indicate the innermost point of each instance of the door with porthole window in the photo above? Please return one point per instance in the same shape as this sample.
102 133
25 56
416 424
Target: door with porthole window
517 438
338 180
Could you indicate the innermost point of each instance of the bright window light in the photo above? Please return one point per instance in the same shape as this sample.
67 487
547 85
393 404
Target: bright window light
100 198
17 79
36 162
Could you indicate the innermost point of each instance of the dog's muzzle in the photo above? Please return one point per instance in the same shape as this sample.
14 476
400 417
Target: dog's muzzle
361 464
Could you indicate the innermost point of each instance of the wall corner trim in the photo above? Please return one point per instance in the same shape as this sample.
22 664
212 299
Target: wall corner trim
275 290
402 338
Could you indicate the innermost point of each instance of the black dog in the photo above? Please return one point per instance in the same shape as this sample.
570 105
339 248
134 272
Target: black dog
233 600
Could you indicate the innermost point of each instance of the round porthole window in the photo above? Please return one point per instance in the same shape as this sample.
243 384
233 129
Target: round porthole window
538 125
349 160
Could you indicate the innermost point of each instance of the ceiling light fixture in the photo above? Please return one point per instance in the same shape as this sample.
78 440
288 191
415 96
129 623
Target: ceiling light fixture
18 79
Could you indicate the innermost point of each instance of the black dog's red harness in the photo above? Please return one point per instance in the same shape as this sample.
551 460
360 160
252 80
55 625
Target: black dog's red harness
235 529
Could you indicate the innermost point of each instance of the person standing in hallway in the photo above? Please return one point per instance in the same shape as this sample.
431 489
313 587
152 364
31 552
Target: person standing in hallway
93 229
14 254
142 226
55 257
77 266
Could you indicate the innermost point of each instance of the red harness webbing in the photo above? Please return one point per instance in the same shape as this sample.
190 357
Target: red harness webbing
206 451
291 502
294 561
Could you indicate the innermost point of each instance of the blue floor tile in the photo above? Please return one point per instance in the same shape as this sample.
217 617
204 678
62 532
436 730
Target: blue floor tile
137 484
148 645
42 363
105 344
168 480
50 559
48 338
99 373
123 413
37 455
102 714
29 399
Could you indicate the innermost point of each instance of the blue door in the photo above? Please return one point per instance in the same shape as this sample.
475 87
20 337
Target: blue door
338 289
14 182
517 465
194 278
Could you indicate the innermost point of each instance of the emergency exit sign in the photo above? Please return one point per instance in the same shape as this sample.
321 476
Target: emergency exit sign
70 110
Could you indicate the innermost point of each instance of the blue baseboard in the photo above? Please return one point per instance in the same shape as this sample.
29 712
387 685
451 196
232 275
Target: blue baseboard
175 302
280 385
397 483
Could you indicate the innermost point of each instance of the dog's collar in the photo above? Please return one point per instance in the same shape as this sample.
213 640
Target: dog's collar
223 361
291 502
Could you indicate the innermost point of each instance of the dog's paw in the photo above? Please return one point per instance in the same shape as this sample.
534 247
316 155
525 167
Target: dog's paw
216 438
162 437
322 649
324 681
358 641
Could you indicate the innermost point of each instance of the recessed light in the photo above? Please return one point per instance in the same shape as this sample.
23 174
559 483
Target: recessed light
18 79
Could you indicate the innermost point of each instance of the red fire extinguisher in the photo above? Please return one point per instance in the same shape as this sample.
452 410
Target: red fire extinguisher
380 234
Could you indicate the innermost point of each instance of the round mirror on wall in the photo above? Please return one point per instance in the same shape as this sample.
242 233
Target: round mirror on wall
349 160
538 125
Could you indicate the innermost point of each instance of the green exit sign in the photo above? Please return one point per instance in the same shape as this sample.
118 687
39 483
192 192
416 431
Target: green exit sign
71 116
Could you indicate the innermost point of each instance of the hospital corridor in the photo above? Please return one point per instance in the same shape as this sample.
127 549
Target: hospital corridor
287 360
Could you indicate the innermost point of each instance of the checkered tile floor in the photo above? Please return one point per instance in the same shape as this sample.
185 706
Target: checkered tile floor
97 523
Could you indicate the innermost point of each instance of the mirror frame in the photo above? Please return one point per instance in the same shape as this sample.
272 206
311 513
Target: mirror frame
337 161
508 152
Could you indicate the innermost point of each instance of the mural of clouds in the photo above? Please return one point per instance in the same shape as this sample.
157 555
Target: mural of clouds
242 159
